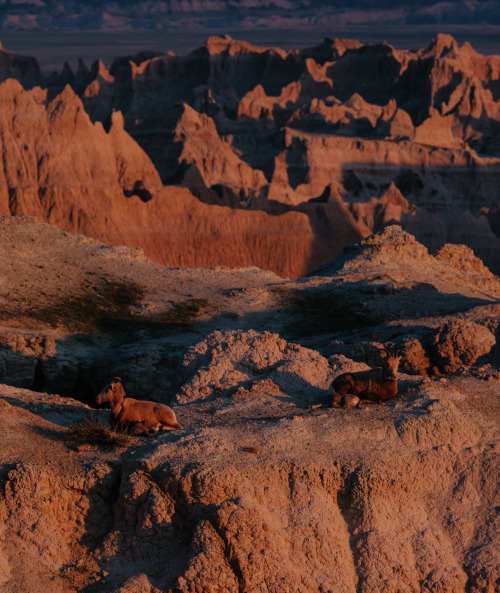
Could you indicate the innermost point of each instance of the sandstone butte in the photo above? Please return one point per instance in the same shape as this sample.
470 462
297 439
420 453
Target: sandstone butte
265 487
241 155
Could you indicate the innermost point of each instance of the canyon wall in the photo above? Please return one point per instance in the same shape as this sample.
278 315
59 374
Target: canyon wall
290 155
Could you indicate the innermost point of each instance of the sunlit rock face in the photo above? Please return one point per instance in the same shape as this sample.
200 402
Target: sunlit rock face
327 144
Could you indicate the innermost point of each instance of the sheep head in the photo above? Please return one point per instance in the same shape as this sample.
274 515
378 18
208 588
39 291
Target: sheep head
390 365
112 394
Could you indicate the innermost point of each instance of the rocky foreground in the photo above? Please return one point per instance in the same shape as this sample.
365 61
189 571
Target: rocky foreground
265 487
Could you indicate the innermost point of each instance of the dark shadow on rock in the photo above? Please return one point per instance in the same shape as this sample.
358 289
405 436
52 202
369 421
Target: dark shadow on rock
298 389
139 190
296 161
50 434
271 384
371 70
118 502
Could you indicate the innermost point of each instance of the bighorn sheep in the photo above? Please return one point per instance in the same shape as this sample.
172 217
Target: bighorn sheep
139 417
379 384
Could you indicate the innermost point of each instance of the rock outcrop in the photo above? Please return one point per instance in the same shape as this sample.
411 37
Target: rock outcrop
61 167
380 257
265 487
329 143
295 500
228 361
459 344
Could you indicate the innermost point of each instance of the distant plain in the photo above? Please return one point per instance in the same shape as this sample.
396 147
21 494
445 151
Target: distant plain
53 48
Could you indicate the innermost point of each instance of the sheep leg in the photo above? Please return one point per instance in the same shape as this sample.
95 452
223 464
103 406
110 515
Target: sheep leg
140 428
345 400
163 426
350 401
337 398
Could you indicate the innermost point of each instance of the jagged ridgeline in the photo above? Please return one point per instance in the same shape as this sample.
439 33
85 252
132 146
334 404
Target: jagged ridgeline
241 155
256 162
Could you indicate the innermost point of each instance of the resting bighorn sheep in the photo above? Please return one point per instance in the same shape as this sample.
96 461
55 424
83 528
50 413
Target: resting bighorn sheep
136 416
379 384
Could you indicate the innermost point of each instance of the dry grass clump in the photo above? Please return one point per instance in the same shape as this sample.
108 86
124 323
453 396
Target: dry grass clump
93 431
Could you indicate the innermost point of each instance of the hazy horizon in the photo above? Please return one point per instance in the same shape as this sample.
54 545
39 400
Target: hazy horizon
53 48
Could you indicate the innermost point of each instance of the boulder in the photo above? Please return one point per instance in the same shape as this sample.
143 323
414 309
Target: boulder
459 343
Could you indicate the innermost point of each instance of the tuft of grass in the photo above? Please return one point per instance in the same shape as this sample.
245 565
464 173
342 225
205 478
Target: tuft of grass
92 430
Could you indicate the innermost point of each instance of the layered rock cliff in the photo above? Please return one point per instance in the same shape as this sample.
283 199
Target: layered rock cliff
61 167
328 143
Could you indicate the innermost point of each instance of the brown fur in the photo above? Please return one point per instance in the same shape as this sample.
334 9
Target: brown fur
136 416
379 384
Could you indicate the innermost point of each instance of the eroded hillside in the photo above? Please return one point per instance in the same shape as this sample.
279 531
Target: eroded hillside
76 312
265 487
242 155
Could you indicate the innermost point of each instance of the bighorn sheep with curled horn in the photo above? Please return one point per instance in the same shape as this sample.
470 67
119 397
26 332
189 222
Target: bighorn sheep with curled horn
379 384
138 417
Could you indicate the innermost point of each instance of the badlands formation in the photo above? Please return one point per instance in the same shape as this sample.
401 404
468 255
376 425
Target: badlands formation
240 155
373 170
265 487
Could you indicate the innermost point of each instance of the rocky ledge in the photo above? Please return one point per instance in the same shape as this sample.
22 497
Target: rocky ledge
265 487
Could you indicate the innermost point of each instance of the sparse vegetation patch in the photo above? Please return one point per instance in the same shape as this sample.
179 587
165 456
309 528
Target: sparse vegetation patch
182 313
94 431
107 307
104 306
